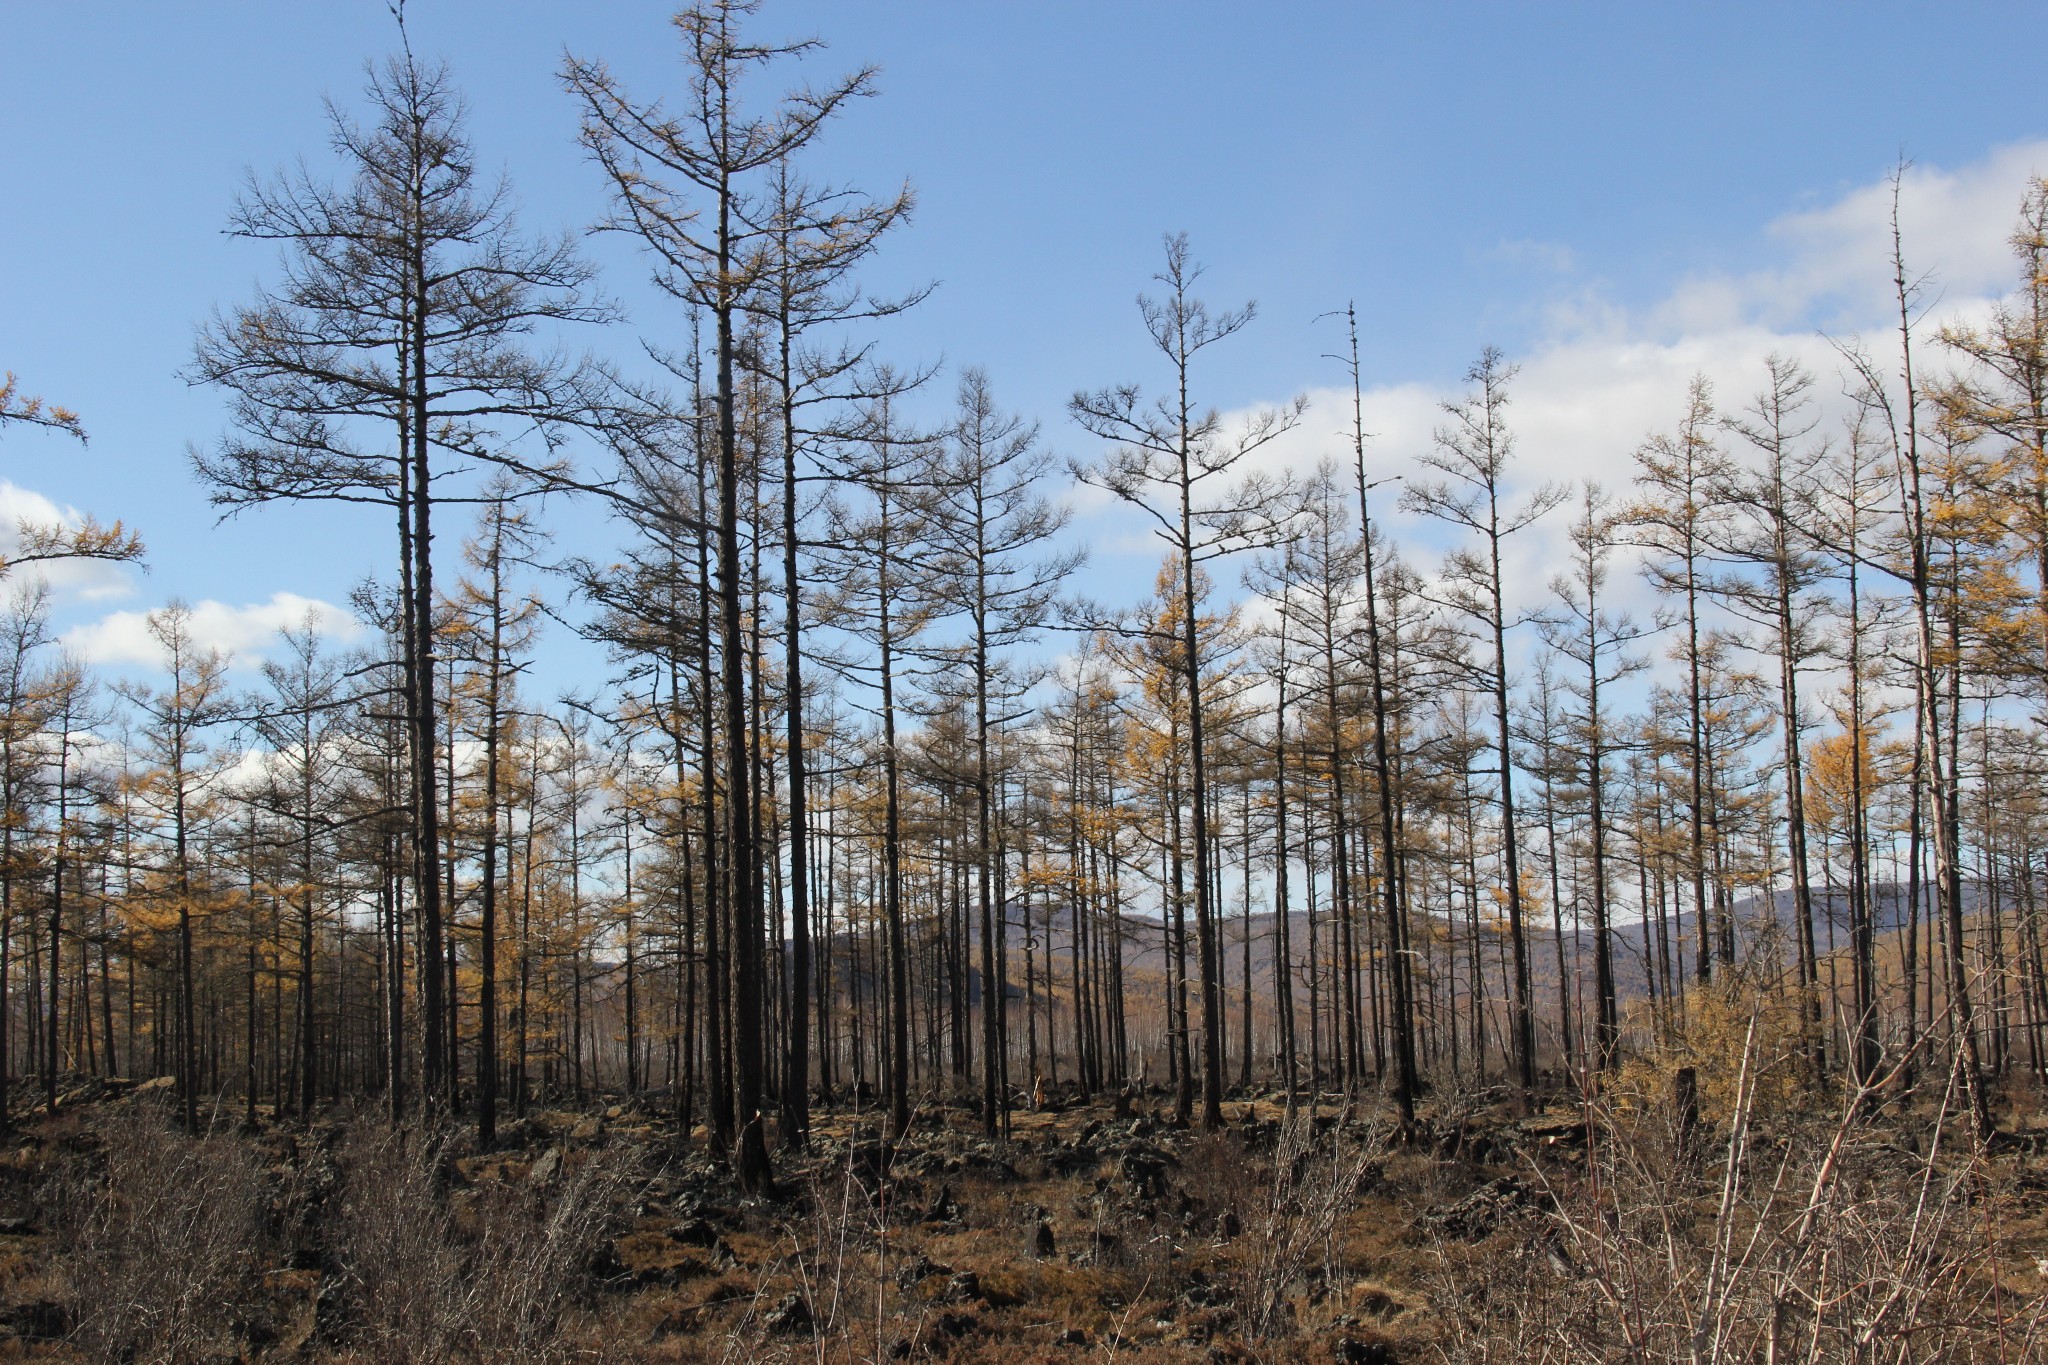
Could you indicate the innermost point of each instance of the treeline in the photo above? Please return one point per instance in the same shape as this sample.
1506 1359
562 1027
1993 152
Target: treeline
871 802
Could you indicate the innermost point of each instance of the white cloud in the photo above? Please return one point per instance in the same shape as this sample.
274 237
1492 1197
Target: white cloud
1555 257
246 632
1608 376
1953 223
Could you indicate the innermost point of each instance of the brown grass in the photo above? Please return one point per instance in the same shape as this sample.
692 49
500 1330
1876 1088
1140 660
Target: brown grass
1823 1230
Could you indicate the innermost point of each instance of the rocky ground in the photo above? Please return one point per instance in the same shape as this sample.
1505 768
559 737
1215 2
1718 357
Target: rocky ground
1095 1230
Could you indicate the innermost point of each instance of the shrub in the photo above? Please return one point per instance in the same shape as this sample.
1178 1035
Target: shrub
168 1237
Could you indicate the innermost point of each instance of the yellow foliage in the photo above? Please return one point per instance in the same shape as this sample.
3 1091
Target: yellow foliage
1711 1039
16 406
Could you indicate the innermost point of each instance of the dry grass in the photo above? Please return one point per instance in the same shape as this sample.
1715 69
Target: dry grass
1794 1236
491 1274
1832 1231
177 1248
169 1238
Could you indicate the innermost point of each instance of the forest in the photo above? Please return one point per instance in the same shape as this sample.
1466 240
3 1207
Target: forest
882 829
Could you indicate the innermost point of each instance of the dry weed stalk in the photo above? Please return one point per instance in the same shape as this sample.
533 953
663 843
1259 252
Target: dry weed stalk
168 1236
487 1275
1316 1181
1808 1240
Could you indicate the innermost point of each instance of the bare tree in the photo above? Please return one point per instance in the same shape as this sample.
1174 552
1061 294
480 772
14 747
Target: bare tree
687 186
1772 570
394 341
817 238
996 524
888 590
1473 453
1596 639
1674 516
1174 460
501 629
1400 960
305 715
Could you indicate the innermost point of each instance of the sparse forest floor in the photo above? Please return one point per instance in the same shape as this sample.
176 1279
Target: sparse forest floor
1603 1230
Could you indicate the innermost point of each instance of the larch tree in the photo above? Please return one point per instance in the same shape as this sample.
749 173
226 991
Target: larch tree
1280 663
997 525
394 346
176 717
1674 517
1596 640
1857 518
1177 462
300 723
1156 706
38 542
1325 569
24 707
70 719
2003 393
1547 757
816 240
888 589
695 187
1771 570
31 410
500 628
1472 455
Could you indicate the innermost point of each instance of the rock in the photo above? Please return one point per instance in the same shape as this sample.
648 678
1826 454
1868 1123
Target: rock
17 1227
791 1316
1479 1213
40 1320
953 1326
694 1232
586 1130
964 1287
546 1167
1073 1336
943 1207
1042 1244
1351 1351
914 1272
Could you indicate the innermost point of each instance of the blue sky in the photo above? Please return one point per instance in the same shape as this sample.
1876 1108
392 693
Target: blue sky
1614 194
